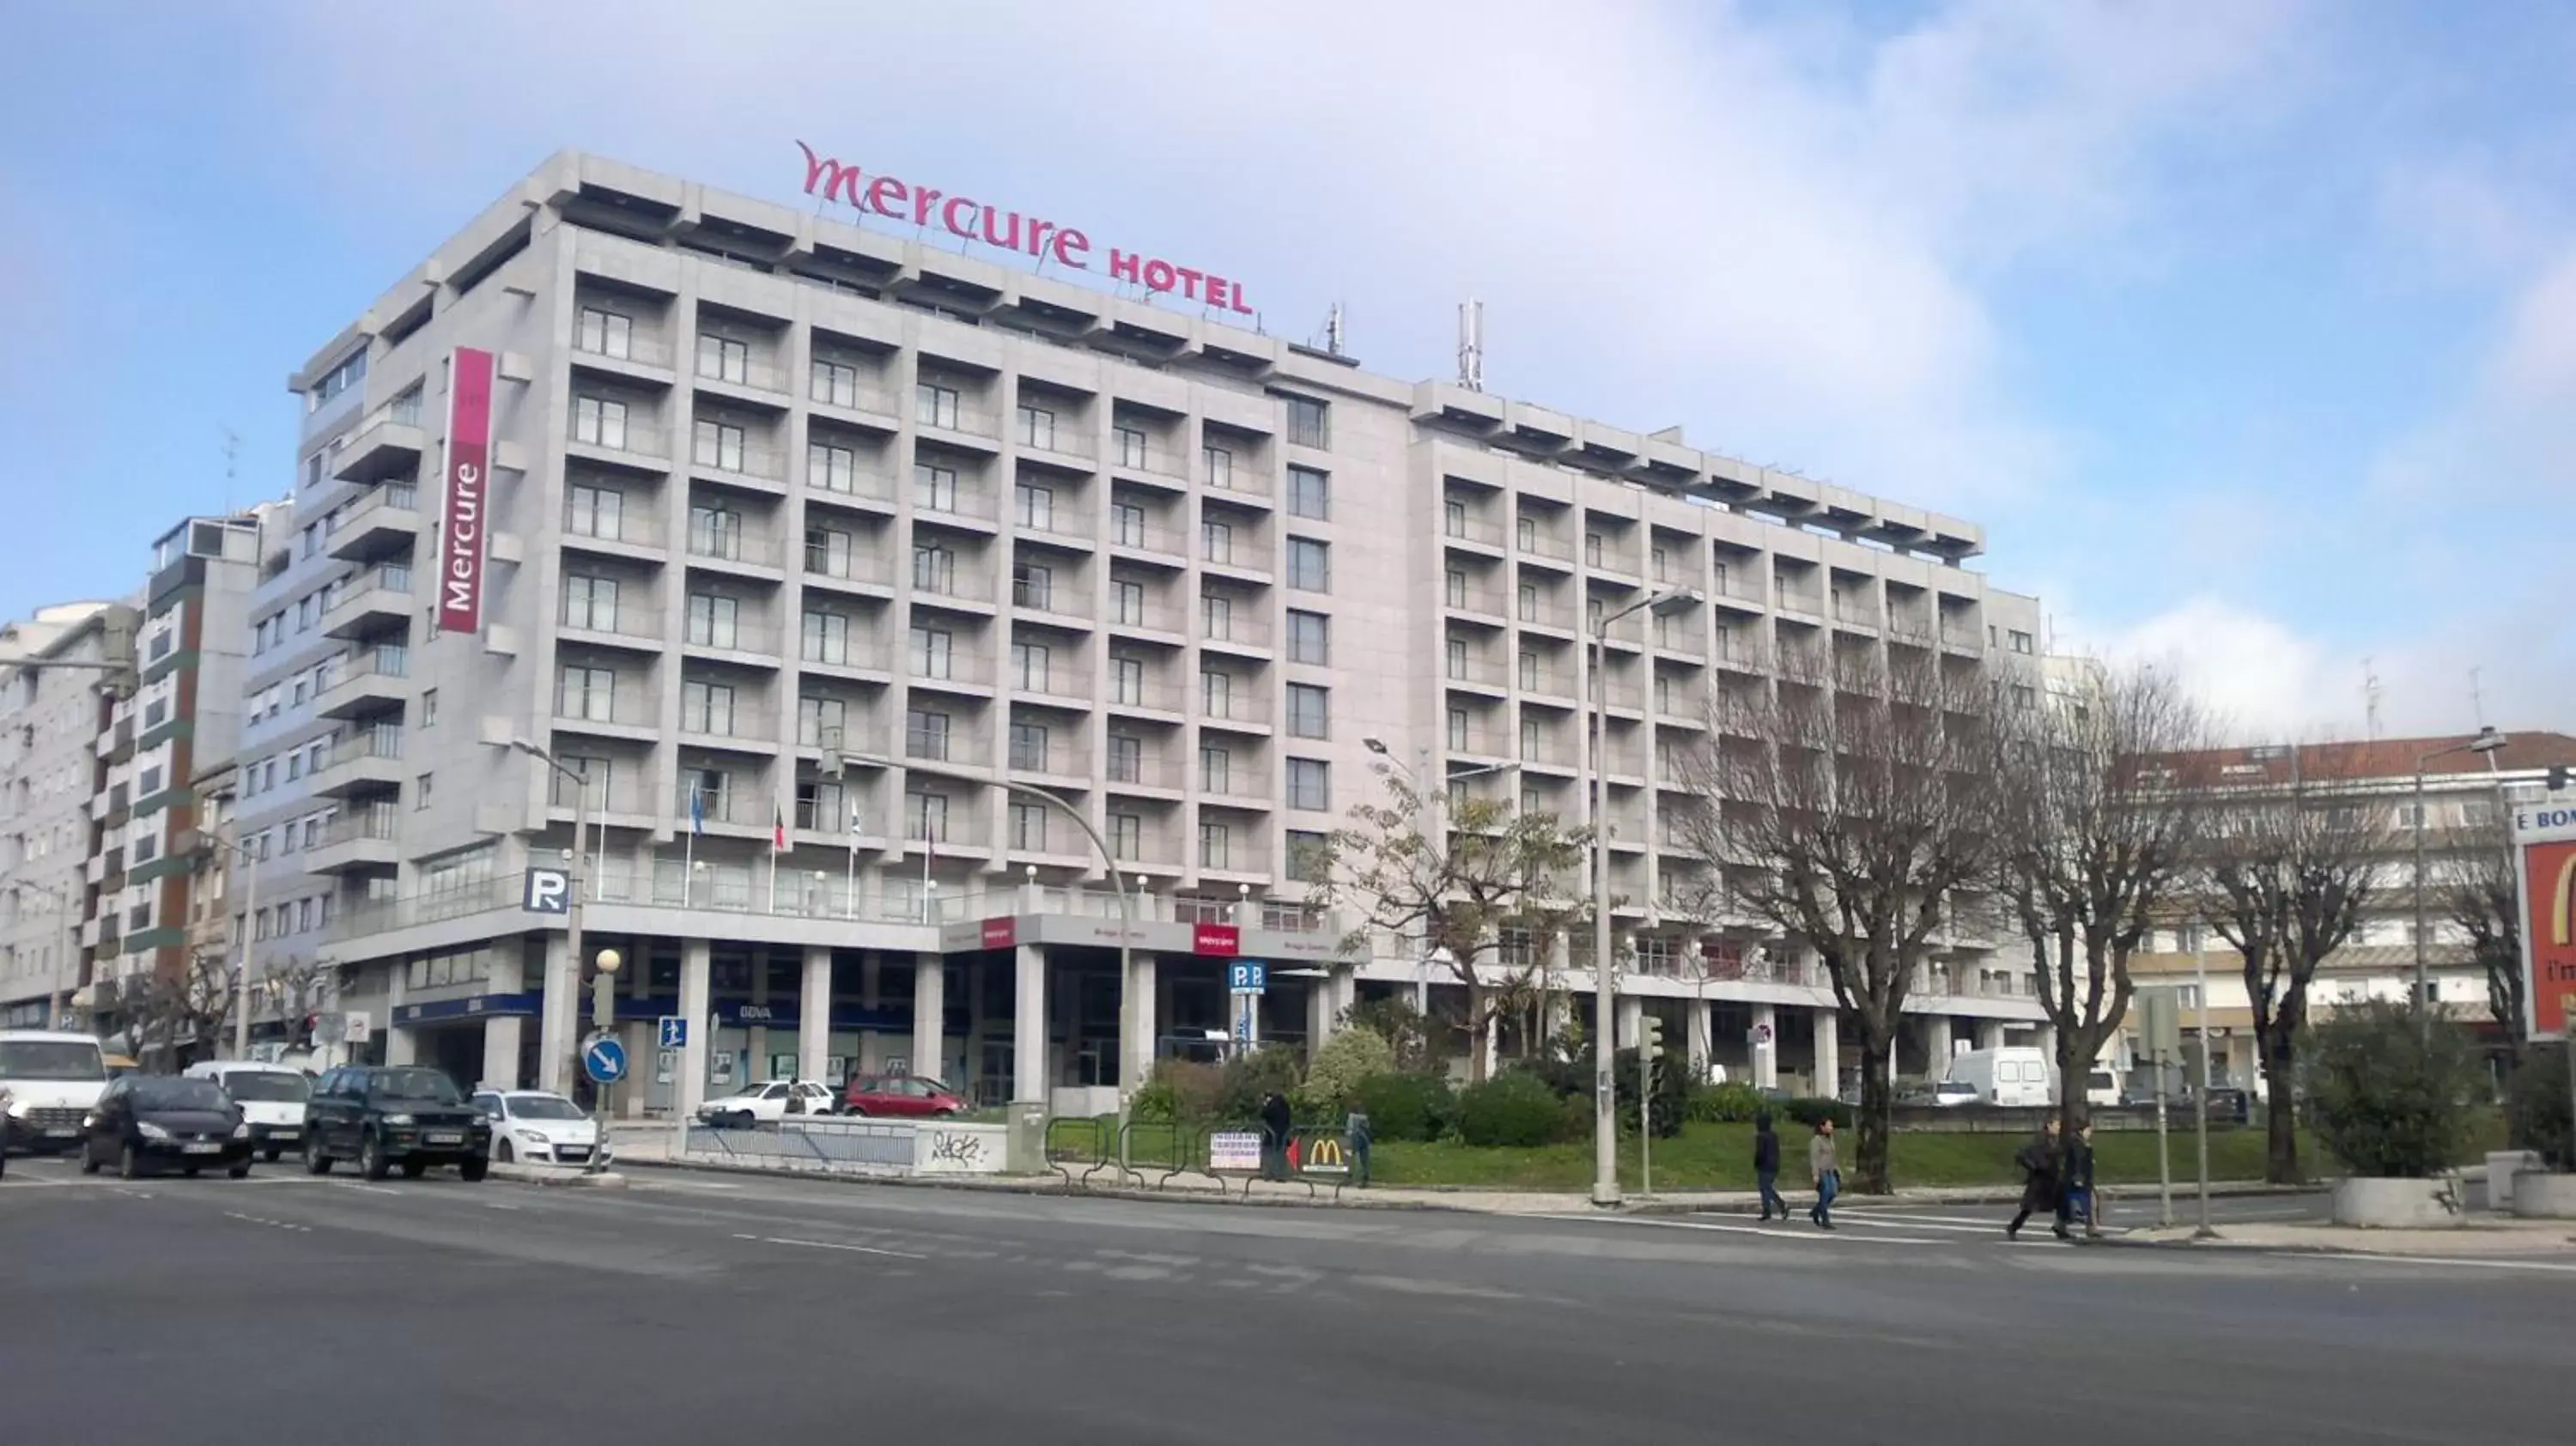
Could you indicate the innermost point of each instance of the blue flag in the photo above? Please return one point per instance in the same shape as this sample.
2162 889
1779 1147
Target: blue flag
697 811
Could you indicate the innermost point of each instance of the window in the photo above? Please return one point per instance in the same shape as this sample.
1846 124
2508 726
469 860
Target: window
1308 421
1029 827
715 532
1216 693
1029 746
1220 467
1127 603
294 769
1309 856
827 551
1029 666
935 406
717 444
590 602
1457 588
934 488
1309 637
925 734
1037 506
420 791
1592 549
1216 542
1529 602
1127 524
825 639
925 815
588 694
1309 565
1216 849
1309 709
1216 616
930 652
713 621
1458 729
831 469
1126 835
820 805
721 358
712 790
2020 640
1037 428
428 708
1310 784
2023 696
833 383
1457 656
1659 563
599 422
594 512
706 708
1131 447
821 722
606 333
1127 681
934 568
1033 586
1310 493
1216 768
1126 758
1529 739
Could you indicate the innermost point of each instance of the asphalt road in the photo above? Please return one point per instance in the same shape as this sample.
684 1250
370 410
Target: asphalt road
691 1308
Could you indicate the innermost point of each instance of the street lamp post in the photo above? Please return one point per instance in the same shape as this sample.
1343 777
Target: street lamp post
1605 1124
2487 742
250 918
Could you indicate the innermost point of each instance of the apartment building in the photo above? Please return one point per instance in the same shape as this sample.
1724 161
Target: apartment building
876 592
2465 793
50 721
187 706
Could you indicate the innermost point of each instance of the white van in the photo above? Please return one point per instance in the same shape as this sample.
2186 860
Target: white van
271 1097
50 1079
2013 1074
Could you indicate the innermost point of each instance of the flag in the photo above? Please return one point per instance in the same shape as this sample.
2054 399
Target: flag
697 812
777 829
858 821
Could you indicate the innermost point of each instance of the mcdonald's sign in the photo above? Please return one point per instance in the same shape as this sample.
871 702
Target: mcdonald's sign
2545 837
1323 1155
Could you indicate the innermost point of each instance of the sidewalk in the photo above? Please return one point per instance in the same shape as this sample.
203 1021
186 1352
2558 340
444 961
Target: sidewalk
2485 1238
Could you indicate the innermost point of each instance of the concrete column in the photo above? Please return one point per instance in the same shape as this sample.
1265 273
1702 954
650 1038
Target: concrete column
1765 1046
1626 1015
400 1047
814 1013
871 980
1320 1013
558 1017
1143 1016
1699 1028
1990 1034
1936 1043
1029 1078
697 964
1829 1052
501 1032
756 1037
929 1016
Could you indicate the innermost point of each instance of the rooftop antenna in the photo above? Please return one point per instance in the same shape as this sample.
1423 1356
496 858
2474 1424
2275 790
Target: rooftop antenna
1471 344
2478 701
232 461
1333 330
2370 691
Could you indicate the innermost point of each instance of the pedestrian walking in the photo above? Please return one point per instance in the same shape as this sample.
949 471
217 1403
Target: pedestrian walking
1828 1176
2075 1184
1275 1124
2040 1161
1766 1165
1355 1133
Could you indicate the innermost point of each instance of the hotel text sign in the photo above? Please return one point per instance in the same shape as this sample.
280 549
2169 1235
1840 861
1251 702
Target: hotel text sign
1032 236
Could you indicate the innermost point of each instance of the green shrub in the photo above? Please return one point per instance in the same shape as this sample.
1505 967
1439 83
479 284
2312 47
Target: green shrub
2537 1109
1193 1089
1407 1106
1395 1020
1155 1103
1349 1057
1252 1075
1727 1104
2391 1093
1671 1102
1806 1111
1512 1109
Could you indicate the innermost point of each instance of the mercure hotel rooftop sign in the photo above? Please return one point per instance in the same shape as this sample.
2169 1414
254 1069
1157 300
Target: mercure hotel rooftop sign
883 195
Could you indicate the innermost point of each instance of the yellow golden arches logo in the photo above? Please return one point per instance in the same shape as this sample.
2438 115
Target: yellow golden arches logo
1325 1156
2562 903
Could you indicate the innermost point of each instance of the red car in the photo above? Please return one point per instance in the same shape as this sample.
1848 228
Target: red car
901 1096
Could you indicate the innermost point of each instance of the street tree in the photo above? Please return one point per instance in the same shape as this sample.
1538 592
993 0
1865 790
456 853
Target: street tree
2477 892
1853 810
2288 868
189 1006
2097 847
1454 876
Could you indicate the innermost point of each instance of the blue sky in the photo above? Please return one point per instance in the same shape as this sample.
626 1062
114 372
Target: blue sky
2247 330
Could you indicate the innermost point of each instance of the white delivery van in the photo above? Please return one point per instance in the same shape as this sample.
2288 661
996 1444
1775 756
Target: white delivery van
271 1097
51 1079
2012 1074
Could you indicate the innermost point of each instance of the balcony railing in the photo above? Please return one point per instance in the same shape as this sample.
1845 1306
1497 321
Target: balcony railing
733 545
751 459
741 636
1471 529
642 439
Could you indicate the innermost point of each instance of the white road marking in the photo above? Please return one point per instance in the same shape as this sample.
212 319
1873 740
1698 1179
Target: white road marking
1904 1222
835 1245
2549 1266
1808 1233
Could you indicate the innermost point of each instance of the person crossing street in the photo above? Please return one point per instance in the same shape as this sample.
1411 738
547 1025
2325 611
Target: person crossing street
1766 1165
1826 1173
2040 1161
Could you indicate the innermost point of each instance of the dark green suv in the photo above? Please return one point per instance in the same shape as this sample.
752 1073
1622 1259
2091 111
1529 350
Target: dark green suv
384 1116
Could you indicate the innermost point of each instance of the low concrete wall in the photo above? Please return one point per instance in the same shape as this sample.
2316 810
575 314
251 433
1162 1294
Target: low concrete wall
2502 1166
2380 1204
847 1145
2539 1196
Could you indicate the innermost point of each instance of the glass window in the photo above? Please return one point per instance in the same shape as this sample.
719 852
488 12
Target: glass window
606 333
1309 637
594 511
1216 542
718 445
1458 730
1309 565
1131 447
1529 602
1310 493
1216 768
1216 849
1309 422
1220 467
930 652
925 815
1127 524
590 602
825 638
715 532
1126 836
1309 711
827 551
1126 758
1029 746
831 469
934 568
834 383
934 488
1216 617
1127 603
714 621
1037 427
599 422
1127 681
723 359
1456 584
821 722
1216 693
1033 586
1029 827
925 733
1453 517
706 708
1037 506
1310 784
935 406
1029 666
1308 854
588 694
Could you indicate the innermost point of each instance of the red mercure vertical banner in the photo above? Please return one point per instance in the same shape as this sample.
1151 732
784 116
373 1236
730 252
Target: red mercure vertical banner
469 458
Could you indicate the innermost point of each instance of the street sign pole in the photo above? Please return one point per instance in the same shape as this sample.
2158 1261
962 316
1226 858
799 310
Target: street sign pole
2200 968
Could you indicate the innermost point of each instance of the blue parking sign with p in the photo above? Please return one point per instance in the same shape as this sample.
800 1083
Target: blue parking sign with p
1247 976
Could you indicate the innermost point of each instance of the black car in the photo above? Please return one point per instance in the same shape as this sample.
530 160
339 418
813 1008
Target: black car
151 1122
387 1115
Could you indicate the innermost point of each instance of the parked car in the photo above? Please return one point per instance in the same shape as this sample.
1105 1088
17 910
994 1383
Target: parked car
1952 1092
149 1122
386 1116
2229 1103
271 1097
902 1096
538 1127
766 1104
2101 1087
51 1079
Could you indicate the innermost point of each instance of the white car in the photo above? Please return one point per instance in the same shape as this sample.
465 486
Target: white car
538 1127
272 1100
766 1104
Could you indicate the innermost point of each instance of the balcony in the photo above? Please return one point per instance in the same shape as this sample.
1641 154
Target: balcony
736 727
369 762
728 459
963 583
730 549
966 507
756 378
1793 598
1545 548
737 641
362 842
1064 523
636 352
369 682
388 444
636 629
386 520
1061 602
1143 542
1240 708
1474 531
1144 772
371 600
1143 458
1853 612
1145 695
957 420
1474 672
1965 640
1246 636
847 570
631 443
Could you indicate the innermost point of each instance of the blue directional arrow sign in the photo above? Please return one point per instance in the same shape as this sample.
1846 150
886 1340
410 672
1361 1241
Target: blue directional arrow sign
675 1031
604 1060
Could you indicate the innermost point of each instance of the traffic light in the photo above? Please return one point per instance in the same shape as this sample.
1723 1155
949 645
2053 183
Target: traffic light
1650 1038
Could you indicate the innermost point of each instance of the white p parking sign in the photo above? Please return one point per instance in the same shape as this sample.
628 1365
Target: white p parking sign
548 891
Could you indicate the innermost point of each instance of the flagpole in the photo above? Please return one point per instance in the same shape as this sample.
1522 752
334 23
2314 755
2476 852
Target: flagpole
850 873
689 850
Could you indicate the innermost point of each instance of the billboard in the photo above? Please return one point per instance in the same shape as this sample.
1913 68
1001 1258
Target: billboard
2544 844
469 461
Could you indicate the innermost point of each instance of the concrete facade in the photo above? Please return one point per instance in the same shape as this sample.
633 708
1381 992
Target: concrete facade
50 722
906 555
